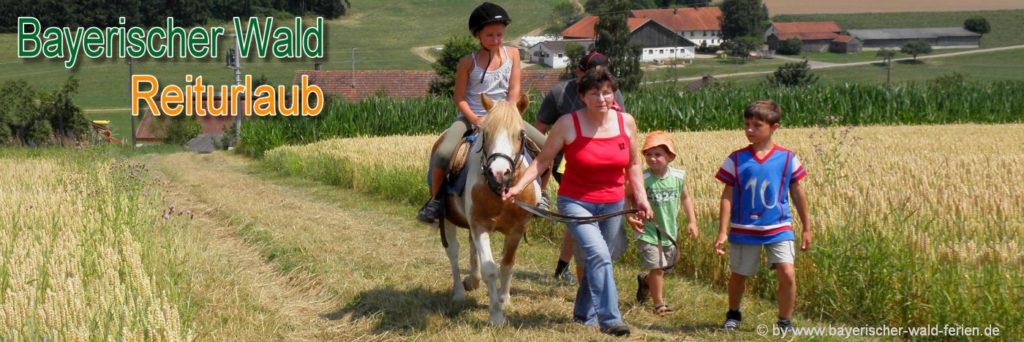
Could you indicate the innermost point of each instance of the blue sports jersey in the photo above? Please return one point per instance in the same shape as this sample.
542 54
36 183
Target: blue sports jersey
760 194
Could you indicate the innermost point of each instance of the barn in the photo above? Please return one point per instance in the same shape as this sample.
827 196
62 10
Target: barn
938 37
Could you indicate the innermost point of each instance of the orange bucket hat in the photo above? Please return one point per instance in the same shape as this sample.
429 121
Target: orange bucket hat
656 138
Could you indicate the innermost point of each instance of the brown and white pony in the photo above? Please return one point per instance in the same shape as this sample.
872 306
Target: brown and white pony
494 155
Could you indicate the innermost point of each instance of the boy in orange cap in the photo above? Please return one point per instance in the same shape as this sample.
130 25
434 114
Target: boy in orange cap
666 191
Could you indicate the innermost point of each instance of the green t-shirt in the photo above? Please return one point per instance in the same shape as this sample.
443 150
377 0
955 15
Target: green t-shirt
664 194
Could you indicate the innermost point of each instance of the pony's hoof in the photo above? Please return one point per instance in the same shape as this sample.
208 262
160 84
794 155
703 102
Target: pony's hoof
470 284
498 320
459 296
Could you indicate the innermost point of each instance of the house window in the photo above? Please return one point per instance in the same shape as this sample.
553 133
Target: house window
705 33
559 55
661 51
671 50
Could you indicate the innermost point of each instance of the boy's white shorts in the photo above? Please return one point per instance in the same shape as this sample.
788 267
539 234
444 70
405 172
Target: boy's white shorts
744 259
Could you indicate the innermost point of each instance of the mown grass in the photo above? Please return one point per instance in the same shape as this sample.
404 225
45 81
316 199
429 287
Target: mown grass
709 66
348 265
991 66
908 229
1006 24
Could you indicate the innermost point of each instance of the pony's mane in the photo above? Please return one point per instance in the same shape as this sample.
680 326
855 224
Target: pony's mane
504 115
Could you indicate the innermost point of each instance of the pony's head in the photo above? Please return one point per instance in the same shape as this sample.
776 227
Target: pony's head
503 138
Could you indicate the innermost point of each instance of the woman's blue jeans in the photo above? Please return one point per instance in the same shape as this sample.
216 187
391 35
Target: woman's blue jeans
597 299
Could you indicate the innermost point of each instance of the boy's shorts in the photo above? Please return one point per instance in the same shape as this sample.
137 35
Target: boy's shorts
651 257
744 259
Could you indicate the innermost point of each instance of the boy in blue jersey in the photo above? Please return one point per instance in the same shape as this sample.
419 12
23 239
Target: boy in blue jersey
755 215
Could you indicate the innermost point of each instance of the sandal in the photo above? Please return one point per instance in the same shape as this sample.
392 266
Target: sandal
662 310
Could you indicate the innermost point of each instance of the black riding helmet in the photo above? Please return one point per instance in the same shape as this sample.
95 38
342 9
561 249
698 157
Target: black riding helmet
485 14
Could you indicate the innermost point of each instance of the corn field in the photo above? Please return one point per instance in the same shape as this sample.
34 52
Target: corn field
913 225
716 108
73 264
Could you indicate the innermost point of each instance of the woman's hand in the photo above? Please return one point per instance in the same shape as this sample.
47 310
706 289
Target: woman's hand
644 209
510 194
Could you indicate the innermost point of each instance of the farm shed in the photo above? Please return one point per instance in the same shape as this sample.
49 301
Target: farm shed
938 37
845 44
815 36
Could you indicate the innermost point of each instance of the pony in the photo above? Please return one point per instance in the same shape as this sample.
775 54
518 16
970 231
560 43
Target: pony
494 162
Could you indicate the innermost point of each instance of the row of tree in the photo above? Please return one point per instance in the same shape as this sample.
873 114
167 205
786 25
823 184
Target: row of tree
105 13
31 118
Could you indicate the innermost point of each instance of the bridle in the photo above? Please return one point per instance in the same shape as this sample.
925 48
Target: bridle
498 188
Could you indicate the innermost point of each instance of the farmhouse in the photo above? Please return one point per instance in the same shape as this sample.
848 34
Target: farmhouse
659 43
814 35
152 128
702 26
938 37
552 52
698 25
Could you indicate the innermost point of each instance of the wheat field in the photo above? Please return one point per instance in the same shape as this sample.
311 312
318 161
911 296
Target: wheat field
913 224
71 260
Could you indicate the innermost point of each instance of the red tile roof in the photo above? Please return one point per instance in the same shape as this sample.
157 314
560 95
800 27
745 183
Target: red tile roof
582 29
151 128
685 19
843 39
815 30
677 20
400 83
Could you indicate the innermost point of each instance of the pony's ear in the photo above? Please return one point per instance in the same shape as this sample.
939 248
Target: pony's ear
524 101
486 101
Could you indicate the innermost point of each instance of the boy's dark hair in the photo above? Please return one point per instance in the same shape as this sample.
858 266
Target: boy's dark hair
764 110
595 78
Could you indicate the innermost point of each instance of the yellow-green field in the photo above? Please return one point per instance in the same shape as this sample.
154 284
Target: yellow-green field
77 254
914 224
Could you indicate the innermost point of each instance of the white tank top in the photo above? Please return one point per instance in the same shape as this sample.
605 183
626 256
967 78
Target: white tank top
495 84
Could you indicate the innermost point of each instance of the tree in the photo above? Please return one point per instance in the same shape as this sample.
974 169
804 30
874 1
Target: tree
446 65
916 47
887 56
575 53
564 14
741 47
793 74
977 25
613 41
791 46
741 18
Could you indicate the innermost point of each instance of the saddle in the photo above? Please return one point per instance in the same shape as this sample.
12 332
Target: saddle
456 178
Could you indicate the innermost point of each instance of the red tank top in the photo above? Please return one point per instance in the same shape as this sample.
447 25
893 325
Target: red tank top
595 167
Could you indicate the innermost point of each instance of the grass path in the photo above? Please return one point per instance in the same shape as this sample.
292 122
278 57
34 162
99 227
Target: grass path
285 258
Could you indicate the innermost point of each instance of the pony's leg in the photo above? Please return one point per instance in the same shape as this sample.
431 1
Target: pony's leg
482 239
451 233
508 260
472 280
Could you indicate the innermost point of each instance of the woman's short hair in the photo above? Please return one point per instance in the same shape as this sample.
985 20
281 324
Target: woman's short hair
596 78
